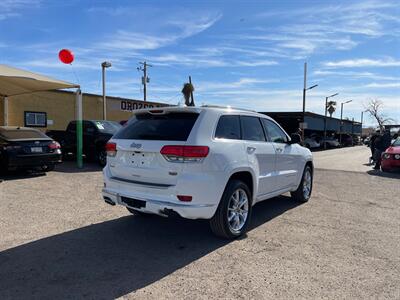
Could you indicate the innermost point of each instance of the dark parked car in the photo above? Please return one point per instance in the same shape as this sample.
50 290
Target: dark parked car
95 136
347 140
27 148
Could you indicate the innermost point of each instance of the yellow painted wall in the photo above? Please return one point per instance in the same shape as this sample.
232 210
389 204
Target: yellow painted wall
60 108
1 111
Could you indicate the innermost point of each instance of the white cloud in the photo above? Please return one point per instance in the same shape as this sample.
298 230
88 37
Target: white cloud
127 40
355 75
189 28
13 8
111 11
255 63
363 62
322 28
383 85
203 60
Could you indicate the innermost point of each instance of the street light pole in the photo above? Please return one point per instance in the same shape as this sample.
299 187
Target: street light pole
104 65
341 120
326 112
304 99
362 117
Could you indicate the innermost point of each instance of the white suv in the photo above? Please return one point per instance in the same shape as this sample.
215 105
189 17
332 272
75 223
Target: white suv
204 163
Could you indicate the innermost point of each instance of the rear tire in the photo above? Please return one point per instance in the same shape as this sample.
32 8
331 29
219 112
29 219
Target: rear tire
234 210
101 157
303 192
49 168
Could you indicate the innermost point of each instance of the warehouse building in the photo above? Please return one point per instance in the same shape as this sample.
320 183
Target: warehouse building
55 109
314 123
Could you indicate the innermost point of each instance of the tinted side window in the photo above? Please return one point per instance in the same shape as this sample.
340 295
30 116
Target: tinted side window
252 129
88 127
275 134
228 128
174 126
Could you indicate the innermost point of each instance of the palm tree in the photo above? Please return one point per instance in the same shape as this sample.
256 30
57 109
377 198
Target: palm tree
331 107
187 92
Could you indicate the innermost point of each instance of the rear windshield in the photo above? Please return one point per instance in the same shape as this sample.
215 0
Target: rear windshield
169 127
16 134
107 126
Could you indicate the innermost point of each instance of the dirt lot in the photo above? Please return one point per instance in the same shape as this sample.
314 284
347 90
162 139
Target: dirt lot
60 240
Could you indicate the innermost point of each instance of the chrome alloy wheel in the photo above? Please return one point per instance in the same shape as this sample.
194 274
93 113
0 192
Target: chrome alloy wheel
307 180
238 209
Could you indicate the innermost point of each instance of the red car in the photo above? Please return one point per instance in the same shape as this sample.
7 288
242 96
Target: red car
391 157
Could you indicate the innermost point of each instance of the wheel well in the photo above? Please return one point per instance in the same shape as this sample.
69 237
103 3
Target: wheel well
310 163
245 177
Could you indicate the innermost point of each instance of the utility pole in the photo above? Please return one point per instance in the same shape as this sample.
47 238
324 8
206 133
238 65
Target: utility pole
191 93
145 79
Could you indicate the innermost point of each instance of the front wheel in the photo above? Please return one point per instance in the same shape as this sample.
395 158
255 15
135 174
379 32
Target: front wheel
234 210
303 192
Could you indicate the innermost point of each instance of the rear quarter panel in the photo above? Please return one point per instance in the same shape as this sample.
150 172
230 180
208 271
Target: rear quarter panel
225 158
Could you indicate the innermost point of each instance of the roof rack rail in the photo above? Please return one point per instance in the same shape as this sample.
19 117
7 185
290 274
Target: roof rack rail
227 106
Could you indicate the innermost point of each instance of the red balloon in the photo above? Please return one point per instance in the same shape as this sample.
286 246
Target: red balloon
66 56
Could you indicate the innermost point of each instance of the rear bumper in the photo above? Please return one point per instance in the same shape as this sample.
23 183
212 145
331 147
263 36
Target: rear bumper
29 161
205 191
159 207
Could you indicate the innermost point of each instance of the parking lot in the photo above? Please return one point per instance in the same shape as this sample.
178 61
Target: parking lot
60 240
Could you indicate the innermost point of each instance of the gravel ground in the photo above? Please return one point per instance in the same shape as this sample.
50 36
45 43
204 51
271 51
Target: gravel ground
344 159
59 240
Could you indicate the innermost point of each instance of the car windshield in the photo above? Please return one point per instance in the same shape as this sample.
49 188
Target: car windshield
107 126
396 142
19 133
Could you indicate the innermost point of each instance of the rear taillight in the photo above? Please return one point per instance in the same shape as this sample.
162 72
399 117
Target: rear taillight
184 153
184 198
54 145
111 149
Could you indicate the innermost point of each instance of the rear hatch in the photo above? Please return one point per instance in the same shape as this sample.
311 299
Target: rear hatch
138 158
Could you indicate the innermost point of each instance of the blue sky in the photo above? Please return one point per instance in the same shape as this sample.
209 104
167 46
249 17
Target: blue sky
241 53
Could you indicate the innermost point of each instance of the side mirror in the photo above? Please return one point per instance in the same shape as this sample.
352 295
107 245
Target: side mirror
295 138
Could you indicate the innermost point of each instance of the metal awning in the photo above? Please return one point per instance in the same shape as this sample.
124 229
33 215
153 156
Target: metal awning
15 81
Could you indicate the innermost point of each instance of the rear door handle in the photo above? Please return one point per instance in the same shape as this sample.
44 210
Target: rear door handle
251 149
279 150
